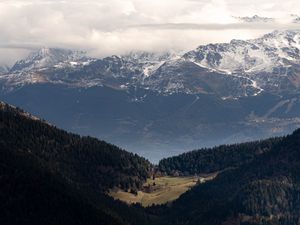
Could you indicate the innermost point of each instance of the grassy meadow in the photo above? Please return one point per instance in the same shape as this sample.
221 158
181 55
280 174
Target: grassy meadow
158 191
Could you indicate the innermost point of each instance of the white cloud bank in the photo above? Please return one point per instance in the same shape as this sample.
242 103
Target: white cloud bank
105 27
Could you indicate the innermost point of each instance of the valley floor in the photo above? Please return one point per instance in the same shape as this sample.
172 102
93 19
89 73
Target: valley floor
160 190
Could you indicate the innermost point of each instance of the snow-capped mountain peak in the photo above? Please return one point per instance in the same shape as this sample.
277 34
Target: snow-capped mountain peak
150 61
255 19
50 57
269 63
262 54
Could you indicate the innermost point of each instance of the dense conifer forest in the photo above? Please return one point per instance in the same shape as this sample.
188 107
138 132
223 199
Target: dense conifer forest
49 176
263 190
215 159
81 160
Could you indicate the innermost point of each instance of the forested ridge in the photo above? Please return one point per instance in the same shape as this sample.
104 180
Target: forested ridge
82 160
263 191
215 159
49 176
30 194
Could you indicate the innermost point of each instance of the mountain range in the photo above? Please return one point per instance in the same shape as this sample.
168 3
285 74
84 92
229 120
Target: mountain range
255 19
160 104
269 63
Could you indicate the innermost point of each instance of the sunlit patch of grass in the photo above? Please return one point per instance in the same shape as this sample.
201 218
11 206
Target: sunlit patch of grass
158 191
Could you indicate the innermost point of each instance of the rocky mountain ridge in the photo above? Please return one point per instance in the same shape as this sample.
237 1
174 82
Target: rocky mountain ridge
270 63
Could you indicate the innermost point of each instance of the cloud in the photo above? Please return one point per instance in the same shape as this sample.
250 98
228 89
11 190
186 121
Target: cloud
212 26
105 27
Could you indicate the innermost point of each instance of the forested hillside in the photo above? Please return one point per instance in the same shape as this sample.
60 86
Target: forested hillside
264 191
30 194
215 159
49 176
80 160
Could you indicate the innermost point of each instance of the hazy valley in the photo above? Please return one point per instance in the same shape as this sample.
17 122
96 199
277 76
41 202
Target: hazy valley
165 103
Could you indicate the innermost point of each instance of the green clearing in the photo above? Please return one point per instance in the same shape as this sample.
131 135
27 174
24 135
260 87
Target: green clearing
166 189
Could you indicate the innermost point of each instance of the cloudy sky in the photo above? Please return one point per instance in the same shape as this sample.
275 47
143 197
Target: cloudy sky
105 27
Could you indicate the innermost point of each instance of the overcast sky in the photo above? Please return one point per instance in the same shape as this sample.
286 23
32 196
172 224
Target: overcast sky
105 27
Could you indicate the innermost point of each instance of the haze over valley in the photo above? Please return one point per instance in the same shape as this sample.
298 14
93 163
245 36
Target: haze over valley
162 104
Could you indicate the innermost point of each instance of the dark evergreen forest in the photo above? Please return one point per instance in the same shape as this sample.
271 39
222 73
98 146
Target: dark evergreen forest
50 176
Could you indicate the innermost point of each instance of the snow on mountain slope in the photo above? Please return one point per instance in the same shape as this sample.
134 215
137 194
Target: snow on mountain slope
50 57
183 76
75 69
150 62
271 61
232 70
43 66
262 54
3 69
